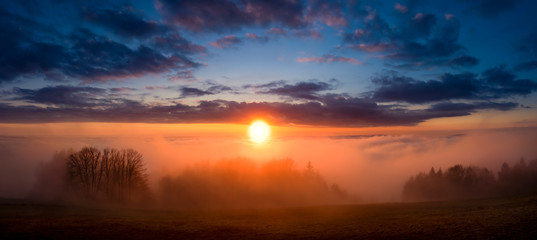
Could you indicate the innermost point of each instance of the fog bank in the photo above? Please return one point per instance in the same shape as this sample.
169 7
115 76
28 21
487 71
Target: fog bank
372 167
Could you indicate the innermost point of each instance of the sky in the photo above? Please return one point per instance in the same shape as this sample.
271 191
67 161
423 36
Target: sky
319 63
367 91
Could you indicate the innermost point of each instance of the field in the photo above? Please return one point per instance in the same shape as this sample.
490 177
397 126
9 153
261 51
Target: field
507 218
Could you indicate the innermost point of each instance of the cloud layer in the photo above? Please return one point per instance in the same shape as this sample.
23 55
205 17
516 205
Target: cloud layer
401 63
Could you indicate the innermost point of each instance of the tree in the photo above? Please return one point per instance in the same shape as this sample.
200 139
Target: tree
83 171
457 182
112 174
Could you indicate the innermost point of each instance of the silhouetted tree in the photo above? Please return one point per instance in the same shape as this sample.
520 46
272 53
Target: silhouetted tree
521 178
457 182
111 174
472 182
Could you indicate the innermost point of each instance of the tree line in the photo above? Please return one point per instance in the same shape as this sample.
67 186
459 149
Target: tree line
460 182
242 183
111 175
119 176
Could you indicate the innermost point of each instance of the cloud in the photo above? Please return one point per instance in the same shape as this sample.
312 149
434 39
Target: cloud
21 54
203 15
419 38
492 8
466 107
300 90
63 95
464 61
214 88
400 8
184 75
328 110
501 82
218 88
308 34
256 37
226 42
222 16
193 92
32 50
376 47
527 45
494 83
95 58
285 12
125 22
328 12
276 31
400 88
443 43
328 58
316 107
421 25
526 66
173 42
374 30
155 87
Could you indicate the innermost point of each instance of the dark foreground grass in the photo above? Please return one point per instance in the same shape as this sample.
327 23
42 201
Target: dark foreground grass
508 218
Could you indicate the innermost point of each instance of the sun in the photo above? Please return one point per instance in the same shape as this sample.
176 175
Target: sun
259 131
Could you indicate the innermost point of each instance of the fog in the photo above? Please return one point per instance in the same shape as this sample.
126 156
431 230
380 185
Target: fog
372 168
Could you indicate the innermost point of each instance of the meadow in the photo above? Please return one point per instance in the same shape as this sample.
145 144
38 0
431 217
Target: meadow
500 218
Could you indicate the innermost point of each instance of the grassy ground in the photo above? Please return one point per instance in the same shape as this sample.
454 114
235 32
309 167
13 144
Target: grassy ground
509 218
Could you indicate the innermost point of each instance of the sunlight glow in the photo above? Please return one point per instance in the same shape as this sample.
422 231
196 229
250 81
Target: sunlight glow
259 131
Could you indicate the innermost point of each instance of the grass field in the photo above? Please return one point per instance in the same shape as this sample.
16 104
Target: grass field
507 218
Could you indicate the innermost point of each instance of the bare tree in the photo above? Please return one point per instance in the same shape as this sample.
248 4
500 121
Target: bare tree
83 171
111 174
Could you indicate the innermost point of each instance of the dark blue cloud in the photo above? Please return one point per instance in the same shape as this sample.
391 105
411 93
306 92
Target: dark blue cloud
494 83
125 22
62 95
21 53
500 82
469 108
96 58
301 90
222 16
213 88
218 88
400 88
419 39
420 26
202 15
492 8
463 61
193 92
526 66
527 47
173 42
32 50
330 110
375 30
443 43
